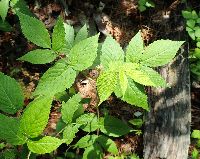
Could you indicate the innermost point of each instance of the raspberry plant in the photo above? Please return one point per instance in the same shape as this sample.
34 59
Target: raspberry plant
123 72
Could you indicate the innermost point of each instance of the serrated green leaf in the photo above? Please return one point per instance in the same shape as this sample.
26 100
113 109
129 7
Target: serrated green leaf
11 96
35 117
39 56
69 133
45 145
4 5
110 126
146 76
34 30
108 144
69 37
195 154
89 122
123 81
106 84
69 108
135 48
56 79
86 141
197 32
21 6
192 34
93 152
58 36
5 26
196 134
160 52
191 23
111 51
194 15
84 53
134 95
9 130
81 35
8 154
186 14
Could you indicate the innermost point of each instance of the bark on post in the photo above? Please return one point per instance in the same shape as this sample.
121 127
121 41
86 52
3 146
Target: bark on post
167 127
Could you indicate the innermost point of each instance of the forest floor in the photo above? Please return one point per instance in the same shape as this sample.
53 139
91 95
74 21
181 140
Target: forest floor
122 20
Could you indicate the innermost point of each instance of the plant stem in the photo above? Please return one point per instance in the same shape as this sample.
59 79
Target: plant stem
29 154
98 119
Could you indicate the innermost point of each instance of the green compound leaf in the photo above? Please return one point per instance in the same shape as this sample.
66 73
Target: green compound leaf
111 51
160 52
39 56
93 152
35 117
108 144
135 48
89 122
9 130
106 84
146 76
112 126
70 107
45 145
4 5
69 37
56 79
86 141
11 96
34 30
81 35
84 53
69 133
134 95
58 35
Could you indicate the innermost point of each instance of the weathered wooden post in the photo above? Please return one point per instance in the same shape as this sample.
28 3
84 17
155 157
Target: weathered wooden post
167 127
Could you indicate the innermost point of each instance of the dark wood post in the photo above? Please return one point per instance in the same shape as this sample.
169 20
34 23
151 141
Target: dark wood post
167 127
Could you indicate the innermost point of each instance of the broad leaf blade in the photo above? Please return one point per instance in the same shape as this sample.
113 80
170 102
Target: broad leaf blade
106 83
81 35
39 56
84 53
112 126
111 51
9 130
134 94
89 122
45 145
86 141
35 117
58 35
135 48
34 30
70 107
108 144
93 152
69 133
160 52
146 76
11 96
123 81
56 79
21 6
69 37
4 5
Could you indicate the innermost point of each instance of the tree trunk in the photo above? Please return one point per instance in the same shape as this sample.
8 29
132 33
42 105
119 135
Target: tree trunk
167 127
